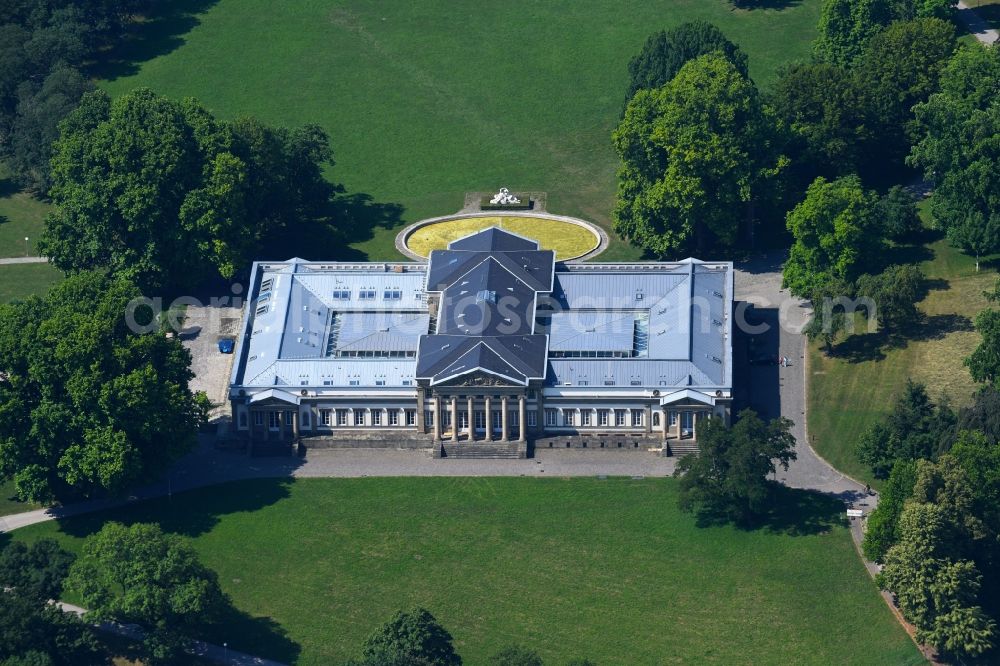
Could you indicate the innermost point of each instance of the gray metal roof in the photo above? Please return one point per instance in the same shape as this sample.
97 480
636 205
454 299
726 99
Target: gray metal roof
442 357
598 330
493 239
389 331
512 312
488 300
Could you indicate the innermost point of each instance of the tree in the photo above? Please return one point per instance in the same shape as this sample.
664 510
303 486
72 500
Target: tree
975 233
830 313
666 51
410 637
897 211
845 26
957 148
696 154
915 428
882 529
935 591
38 570
895 293
41 46
836 235
166 194
827 112
39 111
984 362
898 68
32 630
88 408
727 476
515 655
139 574
983 415
941 9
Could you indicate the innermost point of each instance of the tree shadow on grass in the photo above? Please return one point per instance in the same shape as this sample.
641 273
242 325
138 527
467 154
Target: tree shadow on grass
349 218
863 347
907 254
8 187
765 4
259 636
157 34
791 511
191 513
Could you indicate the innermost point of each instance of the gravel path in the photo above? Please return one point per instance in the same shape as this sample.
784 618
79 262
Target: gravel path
23 260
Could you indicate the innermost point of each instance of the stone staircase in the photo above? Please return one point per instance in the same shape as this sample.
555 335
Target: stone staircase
681 447
449 449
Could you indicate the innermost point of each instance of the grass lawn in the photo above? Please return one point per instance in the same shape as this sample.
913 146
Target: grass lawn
847 394
426 101
607 569
8 503
567 239
20 215
19 281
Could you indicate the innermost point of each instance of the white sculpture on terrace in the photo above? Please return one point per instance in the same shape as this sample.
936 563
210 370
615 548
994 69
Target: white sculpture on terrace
504 197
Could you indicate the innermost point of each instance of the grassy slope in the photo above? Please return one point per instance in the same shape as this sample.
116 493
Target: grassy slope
425 101
845 397
604 569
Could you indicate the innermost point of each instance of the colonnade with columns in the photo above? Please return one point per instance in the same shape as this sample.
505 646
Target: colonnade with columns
459 406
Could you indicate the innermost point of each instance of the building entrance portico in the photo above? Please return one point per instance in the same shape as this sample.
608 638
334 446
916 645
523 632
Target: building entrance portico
485 418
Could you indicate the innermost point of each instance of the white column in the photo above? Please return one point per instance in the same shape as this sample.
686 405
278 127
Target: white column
489 419
521 425
504 432
454 419
437 417
472 423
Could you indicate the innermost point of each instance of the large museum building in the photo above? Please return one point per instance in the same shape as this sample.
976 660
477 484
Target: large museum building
489 348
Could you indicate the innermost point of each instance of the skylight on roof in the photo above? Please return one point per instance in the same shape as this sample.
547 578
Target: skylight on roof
486 295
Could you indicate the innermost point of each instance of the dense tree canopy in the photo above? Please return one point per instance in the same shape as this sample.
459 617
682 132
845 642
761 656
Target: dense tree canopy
666 51
86 406
898 68
410 638
837 235
882 528
897 212
42 43
915 428
40 108
845 26
958 147
828 114
984 362
934 587
696 154
33 632
163 192
727 477
139 574
894 293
